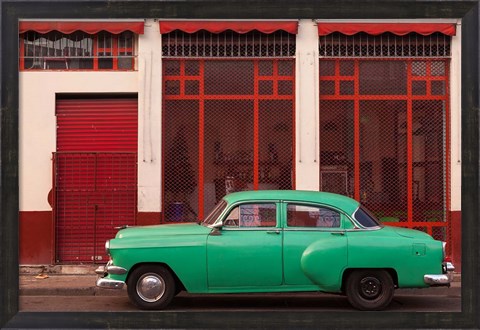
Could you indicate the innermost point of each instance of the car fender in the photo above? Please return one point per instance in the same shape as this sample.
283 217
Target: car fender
324 261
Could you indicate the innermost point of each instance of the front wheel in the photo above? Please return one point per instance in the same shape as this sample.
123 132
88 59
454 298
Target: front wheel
151 287
370 290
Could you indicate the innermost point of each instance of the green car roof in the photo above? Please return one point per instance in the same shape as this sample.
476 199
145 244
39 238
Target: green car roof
345 203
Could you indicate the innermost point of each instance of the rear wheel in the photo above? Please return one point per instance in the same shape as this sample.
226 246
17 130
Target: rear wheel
370 289
151 287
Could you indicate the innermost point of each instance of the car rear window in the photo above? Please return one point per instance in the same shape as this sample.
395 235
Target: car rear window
366 218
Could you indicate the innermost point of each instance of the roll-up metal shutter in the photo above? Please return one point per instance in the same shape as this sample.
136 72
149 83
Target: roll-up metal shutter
95 170
104 125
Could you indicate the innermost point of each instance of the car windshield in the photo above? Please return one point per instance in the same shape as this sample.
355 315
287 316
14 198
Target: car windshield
215 213
366 218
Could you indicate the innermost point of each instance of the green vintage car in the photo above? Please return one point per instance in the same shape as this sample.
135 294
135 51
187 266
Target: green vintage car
275 241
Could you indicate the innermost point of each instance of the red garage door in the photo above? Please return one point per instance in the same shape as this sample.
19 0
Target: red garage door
95 170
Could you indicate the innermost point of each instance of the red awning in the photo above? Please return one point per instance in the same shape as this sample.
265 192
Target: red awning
237 26
400 29
89 27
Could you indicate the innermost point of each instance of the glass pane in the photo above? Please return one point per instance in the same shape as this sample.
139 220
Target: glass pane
429 181
229 77
253 215
311 216
383 157
336 149
228 153
275 144
180 160
383 78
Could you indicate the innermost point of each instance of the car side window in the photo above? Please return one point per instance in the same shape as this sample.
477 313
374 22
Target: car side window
252 215
312 216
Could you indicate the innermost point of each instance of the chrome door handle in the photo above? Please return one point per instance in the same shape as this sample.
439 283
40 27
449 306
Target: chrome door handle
273 232
338 233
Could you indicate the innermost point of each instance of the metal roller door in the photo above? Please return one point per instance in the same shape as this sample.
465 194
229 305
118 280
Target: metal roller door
95 175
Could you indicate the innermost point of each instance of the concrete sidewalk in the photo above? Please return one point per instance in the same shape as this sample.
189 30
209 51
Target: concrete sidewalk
80 281
61 280
64 285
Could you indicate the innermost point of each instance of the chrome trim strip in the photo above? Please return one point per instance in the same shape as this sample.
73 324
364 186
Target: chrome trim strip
109 284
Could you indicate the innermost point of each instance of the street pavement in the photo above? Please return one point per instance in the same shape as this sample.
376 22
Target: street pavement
80 281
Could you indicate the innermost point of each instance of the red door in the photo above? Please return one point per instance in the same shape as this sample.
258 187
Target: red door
95 169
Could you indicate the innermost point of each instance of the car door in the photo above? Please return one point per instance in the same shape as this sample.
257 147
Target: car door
315 245
247 251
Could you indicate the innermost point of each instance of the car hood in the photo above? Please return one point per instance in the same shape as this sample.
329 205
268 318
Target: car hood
164 230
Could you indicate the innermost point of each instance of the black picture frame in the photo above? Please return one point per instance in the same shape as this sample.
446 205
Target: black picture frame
12 11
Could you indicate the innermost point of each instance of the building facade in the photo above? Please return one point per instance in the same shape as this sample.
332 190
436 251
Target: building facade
137 122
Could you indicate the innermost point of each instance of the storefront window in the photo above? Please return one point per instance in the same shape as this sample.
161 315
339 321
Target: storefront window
384 113
77 51
236 111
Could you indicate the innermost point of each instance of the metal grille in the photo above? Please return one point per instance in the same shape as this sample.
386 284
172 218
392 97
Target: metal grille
77 51
384 45
228 44
95 192
228 126
384 138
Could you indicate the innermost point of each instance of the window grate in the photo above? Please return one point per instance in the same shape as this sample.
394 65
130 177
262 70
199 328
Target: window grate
386 45
229 44
78 50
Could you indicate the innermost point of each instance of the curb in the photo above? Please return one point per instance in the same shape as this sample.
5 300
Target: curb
87 291
58 269
63 285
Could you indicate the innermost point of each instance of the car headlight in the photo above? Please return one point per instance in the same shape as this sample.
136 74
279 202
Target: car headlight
107 247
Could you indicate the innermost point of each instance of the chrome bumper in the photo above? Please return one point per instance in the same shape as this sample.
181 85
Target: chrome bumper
443 279
108 283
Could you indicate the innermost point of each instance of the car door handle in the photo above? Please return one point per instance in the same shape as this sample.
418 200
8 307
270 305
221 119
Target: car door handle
338 233
271 232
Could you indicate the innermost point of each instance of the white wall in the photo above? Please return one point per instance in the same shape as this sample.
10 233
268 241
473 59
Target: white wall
37 131
456 123
149 118
307 138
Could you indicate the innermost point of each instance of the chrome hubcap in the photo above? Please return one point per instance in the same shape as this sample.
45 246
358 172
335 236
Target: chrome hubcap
150 287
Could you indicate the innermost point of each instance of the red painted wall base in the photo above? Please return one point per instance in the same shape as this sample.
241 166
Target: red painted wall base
36 234
456 239
148 218
36 238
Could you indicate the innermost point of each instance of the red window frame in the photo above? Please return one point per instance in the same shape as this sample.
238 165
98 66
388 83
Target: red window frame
413 220
256 97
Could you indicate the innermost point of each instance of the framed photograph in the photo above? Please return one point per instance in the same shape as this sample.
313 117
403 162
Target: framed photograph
28 54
